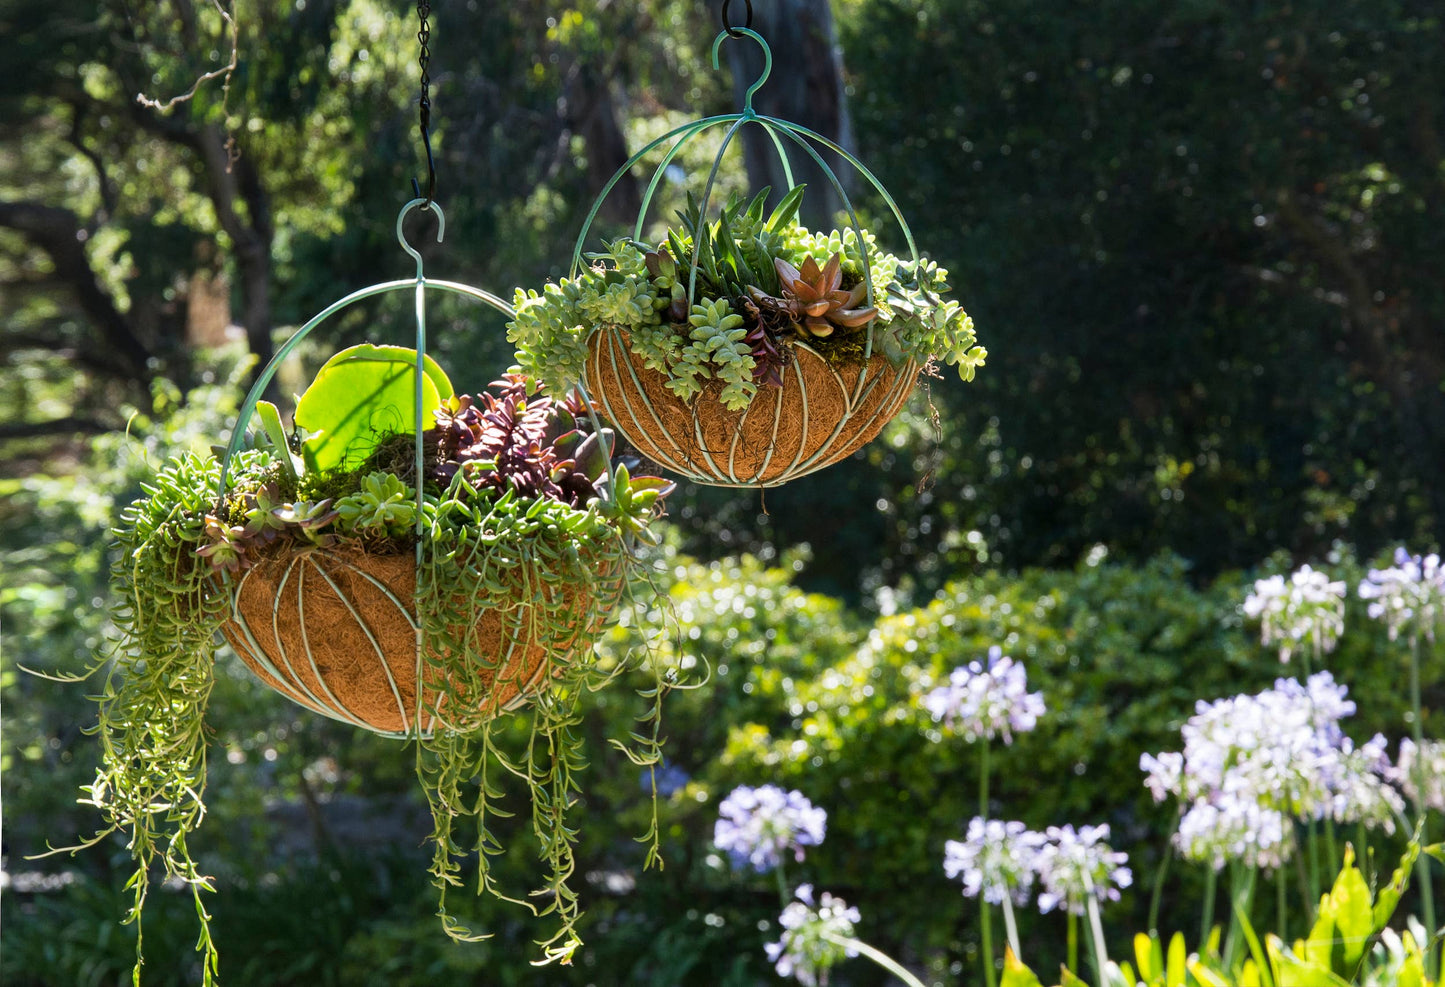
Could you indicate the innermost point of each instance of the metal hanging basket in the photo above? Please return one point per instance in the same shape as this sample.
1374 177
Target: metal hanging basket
337 629
823 411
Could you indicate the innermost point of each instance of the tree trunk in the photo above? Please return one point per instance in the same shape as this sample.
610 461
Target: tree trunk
59 233
806 88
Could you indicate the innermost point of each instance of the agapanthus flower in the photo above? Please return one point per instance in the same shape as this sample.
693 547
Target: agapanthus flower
1405 772
1411 592
985 701
995 859
1252 764
1359 791
809 946
755 825
1074 865
1307 610
1233 828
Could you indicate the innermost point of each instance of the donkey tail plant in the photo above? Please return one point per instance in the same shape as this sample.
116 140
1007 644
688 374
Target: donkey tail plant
529 530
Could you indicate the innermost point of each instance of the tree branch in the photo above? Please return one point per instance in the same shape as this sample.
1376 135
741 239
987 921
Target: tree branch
56 426
59 233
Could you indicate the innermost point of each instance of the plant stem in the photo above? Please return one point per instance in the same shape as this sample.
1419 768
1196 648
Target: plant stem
1281 927
783 895
1010 928
877 956
1242 900
1305 891
1159 873
1422 864
1073 952
1206 920
1096 928
1312 841
985 927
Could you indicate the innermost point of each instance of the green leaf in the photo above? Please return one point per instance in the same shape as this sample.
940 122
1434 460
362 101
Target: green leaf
1147 955
360 396
1389 895
1344 923
787 209
1015 974
1291 971
1068 978
1260 962
270 418
1175 968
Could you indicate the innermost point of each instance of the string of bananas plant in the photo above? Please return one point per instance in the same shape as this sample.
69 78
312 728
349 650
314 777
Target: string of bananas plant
529 533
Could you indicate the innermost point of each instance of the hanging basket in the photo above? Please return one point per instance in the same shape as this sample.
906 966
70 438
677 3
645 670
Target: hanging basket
818 415
419 582
336 631
336 627
745 351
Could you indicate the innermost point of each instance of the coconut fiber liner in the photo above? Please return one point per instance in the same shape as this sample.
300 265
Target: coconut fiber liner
820 415
335 631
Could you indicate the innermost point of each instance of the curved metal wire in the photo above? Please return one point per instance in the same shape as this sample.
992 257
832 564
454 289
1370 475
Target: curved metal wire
782 134
418 285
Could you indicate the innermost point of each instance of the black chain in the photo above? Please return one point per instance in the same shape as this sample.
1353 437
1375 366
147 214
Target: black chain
423 37
732 31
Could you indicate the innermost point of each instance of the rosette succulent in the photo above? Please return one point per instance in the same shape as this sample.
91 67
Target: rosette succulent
728 300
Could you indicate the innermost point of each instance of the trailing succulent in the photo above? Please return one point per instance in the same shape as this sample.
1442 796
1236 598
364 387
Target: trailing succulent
761 284
519 494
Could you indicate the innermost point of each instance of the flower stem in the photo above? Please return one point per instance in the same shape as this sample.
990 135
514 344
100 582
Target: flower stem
1073 950
1159 873
877 956
1010 927
1422 864
1096 939
1206 920
985 927
1280 908
782 885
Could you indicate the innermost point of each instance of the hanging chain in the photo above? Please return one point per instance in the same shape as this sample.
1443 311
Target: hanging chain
423 37
732 31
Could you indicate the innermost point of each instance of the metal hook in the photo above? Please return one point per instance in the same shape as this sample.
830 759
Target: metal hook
739 32
401 237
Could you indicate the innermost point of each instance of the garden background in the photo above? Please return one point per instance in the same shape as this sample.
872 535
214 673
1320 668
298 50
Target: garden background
1202 241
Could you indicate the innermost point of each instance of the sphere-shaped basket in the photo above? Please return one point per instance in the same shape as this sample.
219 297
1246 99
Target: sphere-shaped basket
337 630
818 416
823 411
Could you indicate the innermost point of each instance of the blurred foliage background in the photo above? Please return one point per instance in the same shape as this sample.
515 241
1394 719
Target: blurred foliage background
1201 240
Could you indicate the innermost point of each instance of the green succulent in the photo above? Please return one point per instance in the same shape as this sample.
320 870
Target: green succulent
741 261
383 506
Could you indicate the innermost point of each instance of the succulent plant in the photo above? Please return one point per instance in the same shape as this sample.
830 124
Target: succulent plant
787 284
383 506
813 299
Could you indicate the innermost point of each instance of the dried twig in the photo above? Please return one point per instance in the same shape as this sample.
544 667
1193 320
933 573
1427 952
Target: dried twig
226 11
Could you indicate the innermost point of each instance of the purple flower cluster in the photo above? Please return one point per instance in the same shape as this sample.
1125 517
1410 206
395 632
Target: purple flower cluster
816 936
755 825
1002 859
1403 772
1308 609
1253 764
1409 593
996 859
985 701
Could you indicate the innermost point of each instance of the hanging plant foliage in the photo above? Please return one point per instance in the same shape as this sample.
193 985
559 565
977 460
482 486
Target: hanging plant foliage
429 604
745 350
